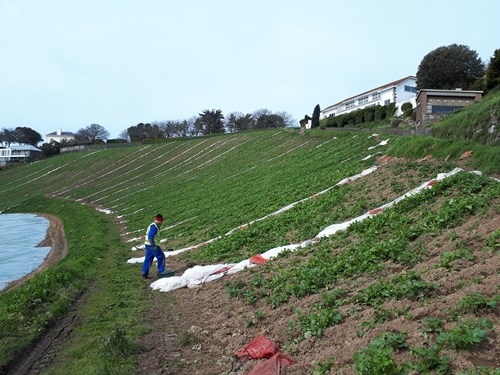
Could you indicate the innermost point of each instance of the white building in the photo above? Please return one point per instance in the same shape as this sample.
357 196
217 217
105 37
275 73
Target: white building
20 153
59 136
399 92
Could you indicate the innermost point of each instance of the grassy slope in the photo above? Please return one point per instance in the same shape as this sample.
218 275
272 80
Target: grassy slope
204 187
473 122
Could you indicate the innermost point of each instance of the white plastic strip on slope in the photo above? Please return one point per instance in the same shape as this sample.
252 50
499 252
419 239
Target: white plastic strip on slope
47 173
281 210
199 275
91 178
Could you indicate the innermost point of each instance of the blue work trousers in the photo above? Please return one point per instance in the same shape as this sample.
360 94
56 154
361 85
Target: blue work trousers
151 253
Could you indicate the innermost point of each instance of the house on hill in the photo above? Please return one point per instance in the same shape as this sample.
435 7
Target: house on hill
59 136
21 153
434 104
402 91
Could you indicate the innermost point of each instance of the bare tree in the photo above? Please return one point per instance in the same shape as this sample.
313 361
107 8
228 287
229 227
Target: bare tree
92 133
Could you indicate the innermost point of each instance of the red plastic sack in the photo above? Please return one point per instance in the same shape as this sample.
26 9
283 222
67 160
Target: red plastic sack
258 259
376 211
260 347
273 365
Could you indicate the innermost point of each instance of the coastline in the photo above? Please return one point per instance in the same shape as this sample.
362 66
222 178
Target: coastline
54 239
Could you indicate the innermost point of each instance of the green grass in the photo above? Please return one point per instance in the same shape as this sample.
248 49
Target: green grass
96 260
473 122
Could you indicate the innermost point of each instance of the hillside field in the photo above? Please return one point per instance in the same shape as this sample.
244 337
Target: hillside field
410 286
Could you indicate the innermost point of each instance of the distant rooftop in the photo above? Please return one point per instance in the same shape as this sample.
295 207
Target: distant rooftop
53 134
24 148
391 84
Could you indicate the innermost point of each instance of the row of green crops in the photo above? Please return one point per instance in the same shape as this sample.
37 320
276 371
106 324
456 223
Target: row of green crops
210 184
204 187
397 234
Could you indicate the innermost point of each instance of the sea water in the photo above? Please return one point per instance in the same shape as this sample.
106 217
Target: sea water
19 236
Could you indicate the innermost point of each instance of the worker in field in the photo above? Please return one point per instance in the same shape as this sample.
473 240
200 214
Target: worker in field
153 249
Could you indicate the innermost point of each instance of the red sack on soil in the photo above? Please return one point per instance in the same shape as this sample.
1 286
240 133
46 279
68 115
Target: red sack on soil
376 211
260 347
258 259
273 365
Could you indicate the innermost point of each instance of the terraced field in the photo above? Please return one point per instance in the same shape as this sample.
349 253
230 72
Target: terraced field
408 284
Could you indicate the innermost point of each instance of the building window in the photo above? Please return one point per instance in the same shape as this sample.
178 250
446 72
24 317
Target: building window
363 100
349 104
444 109
376 96
387 101
410 89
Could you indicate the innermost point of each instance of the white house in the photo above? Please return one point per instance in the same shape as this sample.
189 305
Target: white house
399 92
59 136
20 153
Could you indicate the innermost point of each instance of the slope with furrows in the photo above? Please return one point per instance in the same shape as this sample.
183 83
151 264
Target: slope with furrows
394 289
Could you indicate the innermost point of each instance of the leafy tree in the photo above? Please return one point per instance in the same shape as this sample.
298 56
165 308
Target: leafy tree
407 109
92 133
50 149
212 121
142 131
270 122
8 136
238 122
449 67
315 118
175 128
20 134
493 71
28 136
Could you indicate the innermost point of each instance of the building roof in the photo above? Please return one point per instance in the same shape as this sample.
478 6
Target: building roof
54 134
459 92
25 148
391 84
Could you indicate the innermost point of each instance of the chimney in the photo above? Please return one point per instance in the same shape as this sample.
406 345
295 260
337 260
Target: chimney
59 131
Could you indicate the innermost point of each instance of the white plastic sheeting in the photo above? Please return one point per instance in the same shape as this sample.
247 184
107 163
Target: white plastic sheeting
347 180
383 143
199 275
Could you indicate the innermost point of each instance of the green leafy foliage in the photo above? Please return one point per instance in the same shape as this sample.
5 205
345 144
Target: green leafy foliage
408 285
476 302
377 357
466 333
430 360
315 323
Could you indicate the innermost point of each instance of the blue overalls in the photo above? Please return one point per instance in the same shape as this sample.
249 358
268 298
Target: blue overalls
153 250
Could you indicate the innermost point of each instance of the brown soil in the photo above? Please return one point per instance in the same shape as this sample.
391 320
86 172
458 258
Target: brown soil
198 331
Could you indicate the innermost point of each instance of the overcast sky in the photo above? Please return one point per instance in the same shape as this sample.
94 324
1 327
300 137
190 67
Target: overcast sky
68 64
